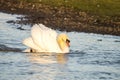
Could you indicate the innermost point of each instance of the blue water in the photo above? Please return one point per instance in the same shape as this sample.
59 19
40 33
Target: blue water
91 57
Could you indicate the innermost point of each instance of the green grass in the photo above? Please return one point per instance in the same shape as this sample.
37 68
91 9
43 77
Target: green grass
95 7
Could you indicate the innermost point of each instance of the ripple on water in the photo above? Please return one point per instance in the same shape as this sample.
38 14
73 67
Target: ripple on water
92 57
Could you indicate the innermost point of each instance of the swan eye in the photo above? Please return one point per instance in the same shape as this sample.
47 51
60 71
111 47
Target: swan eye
67 40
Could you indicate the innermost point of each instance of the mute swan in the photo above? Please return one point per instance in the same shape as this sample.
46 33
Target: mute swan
44 39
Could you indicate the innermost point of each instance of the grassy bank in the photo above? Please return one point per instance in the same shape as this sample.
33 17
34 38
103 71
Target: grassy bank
96 7
96 16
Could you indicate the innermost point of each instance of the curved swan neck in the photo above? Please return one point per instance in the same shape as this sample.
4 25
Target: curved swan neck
61 44
61 40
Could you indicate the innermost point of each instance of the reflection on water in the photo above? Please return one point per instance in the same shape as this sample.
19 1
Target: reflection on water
61 58
46 66
91 57
47 58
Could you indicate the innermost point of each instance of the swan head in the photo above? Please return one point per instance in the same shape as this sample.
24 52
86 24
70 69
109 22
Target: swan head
63 42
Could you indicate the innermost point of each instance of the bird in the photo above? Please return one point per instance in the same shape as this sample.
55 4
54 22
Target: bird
44 39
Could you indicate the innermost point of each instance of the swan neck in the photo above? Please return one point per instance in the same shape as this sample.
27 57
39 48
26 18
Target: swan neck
61 42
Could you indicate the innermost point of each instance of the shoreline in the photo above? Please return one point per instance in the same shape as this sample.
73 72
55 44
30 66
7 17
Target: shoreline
61 18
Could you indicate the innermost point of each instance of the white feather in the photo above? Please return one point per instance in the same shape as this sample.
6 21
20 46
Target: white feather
43 39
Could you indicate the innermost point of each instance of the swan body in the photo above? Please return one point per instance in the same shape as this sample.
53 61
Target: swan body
44 39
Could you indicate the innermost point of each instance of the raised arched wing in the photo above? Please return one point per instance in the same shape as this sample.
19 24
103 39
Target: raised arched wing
45 38
36 34
29 42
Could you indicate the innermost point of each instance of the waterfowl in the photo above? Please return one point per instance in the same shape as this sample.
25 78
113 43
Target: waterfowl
44 39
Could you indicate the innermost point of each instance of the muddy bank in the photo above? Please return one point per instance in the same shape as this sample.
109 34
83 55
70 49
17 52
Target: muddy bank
62 18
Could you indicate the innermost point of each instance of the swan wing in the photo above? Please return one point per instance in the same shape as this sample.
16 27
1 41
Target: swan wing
45 38
29 42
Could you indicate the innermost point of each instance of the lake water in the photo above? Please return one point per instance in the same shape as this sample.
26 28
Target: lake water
91 57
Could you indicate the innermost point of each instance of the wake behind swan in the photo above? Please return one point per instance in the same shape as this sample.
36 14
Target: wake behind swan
44 39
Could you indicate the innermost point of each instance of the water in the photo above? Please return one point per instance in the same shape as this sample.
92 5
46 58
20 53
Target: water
91 57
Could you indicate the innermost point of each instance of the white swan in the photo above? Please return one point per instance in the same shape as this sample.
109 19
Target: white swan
44 39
